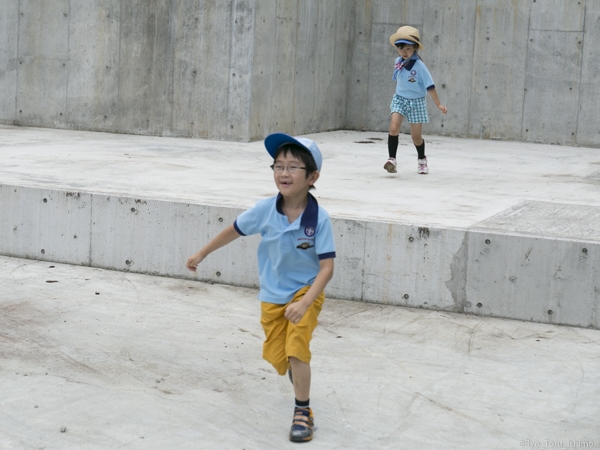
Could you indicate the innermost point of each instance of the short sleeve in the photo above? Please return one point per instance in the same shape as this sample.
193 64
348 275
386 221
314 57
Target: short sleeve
324 242
249 222
426 77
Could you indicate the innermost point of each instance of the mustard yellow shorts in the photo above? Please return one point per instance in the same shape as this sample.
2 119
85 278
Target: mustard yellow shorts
283 339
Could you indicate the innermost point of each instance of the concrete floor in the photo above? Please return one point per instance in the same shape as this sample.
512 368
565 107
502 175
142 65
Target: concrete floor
130 361
470 180
123 360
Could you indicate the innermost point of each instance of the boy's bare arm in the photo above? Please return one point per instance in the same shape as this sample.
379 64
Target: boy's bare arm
436 100
222 239
296 310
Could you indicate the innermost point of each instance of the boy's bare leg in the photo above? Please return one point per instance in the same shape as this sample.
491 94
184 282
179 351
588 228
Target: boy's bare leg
301 374
303 423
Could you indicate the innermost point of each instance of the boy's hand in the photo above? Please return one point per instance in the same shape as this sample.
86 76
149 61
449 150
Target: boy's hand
295 312
193 261
442 108
226 236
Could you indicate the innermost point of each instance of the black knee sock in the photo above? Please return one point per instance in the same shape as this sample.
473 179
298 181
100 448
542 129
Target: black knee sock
392 145
421 150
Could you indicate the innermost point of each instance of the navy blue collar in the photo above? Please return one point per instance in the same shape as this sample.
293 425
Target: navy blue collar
411 62
310 216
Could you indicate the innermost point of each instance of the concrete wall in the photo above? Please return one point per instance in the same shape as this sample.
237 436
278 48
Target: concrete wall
300 66
230 70
240 69
518 70
484 272
152 67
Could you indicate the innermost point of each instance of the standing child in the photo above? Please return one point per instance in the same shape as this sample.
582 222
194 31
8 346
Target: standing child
413 81
295 263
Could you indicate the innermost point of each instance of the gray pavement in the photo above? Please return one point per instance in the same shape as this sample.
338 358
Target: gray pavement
123 360
130 361
470 180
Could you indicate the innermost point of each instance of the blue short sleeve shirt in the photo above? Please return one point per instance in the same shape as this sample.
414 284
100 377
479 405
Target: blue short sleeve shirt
414 80
289 254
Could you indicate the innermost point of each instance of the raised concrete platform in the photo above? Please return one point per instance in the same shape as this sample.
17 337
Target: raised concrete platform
502 229
123 360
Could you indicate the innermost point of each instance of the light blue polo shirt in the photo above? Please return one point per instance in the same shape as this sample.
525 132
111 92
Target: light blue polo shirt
288 254
414 80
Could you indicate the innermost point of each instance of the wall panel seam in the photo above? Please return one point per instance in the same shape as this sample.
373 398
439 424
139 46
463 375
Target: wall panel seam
16 115
67 65
295 71
580 75
171 87
91 232
362 286
523 137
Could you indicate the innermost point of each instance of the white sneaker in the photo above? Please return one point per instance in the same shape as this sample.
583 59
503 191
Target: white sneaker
422 166
390 165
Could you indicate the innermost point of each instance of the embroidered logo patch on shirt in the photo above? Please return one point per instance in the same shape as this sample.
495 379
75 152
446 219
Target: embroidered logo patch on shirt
309 231
305 246
412 80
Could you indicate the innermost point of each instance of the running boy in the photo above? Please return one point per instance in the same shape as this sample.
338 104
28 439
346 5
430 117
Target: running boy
295 263
413 81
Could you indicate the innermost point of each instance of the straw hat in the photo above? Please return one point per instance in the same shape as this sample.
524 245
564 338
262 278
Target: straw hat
409 34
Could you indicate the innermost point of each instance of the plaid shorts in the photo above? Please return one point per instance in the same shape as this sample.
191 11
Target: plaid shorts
414 109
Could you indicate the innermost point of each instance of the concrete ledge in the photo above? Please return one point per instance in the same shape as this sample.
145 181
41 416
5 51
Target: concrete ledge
539 279
477 271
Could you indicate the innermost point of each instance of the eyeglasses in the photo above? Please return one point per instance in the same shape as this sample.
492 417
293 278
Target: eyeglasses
280 168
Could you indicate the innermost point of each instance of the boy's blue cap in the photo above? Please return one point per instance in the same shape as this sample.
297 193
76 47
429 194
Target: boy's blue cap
276 140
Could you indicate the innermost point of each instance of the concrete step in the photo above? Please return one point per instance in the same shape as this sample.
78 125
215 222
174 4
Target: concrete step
497 228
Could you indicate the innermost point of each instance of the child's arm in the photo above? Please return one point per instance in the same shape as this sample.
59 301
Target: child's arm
296 310
223 238
436 100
